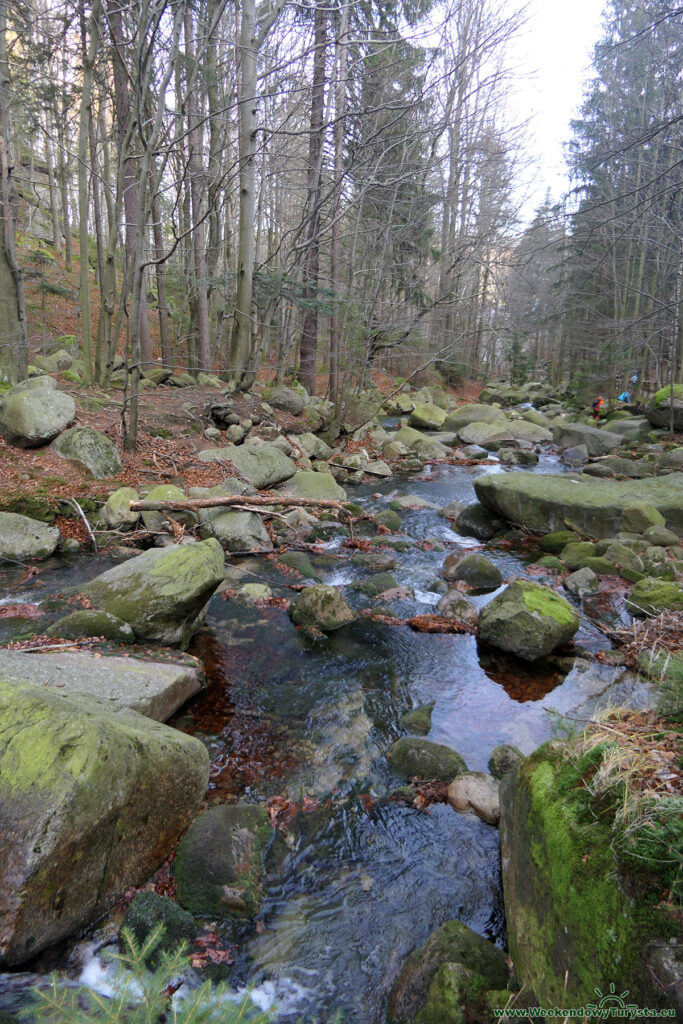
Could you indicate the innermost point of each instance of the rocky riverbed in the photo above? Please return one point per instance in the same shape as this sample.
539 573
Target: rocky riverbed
366 679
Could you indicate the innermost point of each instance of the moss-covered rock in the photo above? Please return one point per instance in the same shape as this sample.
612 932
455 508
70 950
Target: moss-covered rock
89 622
388 518
659 536
455 605
92 802
376 561
261 465
528 619
22 538
473 413
419 721
320 486
556 542
451 943
574 555
91 449
416 758
167 492
162 593
477 521
426 417
475 570
504 758
219 861
571 928
301 563
551 562
149 910
322 607
626 560
543 503
36 413
376 584
117 513
237 531
638 516
661 407
651 596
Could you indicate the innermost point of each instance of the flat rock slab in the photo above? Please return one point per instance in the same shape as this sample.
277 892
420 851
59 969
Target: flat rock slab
152 688
546 503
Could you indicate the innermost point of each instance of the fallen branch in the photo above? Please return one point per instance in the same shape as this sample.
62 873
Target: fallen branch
74 504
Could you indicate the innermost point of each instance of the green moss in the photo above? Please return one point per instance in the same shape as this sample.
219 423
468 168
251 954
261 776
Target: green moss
547 603
663 396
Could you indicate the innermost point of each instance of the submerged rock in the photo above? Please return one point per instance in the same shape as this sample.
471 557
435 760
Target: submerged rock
162 593
92 803
22 538
476 521
418 721
219 861
415 758
528 619
323 607
475 570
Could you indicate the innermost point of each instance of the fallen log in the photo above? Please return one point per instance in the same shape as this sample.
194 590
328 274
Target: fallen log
193 505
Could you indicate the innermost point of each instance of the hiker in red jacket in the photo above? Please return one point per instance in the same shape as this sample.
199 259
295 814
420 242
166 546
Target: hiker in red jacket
597 406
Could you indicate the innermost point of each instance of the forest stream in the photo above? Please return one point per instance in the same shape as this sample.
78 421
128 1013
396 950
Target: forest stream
362 878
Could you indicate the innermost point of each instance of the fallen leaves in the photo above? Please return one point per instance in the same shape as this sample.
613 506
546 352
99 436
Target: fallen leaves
20 611
210 949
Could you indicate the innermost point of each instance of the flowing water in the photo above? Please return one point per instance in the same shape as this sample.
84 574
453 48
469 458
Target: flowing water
362 879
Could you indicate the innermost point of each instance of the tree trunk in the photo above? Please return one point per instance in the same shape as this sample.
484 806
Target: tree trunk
89 52
311 266
165 334
335 277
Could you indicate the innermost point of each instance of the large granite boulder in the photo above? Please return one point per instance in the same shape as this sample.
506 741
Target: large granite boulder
318 486
528 619
496 433
155 689
219 862
92 802
597 441
162 593
262 465
322 607
93 450
286 399
35 412
237 531
660 407
426 417
466 414
22 538
56 363
533 433
546 503
572 928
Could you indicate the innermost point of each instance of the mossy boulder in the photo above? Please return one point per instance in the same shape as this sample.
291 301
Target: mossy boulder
261 465
551 562
426 417
477 571
455 605
659 536
419 721
376 561
544 503
154 520
451 943
473 413
89 622
596 440
92 802
417 758
639 516
554 543
22 538
91 449
301 563
504 758
116 512
488 435
319 486
149 910
574 555
287 399
34 415
571 927
652 596
162 593
528 619
237 531
219 861
661 407
376 585
628 562
322 607
388 518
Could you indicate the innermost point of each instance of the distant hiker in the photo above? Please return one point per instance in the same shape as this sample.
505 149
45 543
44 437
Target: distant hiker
624 397
597 406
